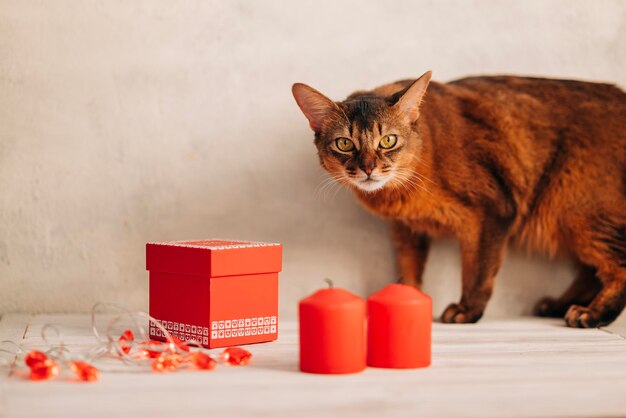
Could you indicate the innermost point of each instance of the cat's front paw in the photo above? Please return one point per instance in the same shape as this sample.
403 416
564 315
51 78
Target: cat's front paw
581 317
456 313
550 308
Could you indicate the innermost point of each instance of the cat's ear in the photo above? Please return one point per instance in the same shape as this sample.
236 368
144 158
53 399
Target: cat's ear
410 101
315 106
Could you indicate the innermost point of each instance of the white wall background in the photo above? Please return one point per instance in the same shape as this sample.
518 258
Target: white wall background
125 122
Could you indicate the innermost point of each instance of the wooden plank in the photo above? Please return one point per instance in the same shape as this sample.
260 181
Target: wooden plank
517 368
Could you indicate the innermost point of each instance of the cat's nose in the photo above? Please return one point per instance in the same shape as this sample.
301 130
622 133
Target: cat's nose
368 167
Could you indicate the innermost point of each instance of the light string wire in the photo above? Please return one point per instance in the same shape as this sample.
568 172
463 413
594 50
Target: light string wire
130 352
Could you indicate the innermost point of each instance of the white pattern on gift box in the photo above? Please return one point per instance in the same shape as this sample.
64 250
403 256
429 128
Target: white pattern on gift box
246 327
182 331
230 328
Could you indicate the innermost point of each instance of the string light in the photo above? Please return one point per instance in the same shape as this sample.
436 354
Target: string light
134 349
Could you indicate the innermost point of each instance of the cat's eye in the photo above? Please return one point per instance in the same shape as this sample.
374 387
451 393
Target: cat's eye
344 144
388 141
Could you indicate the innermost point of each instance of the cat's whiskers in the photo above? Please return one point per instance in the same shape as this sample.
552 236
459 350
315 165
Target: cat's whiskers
426 164
331 192
418 174
325 182
343 180
402 181
409 185
332 185
405 175
402 184
325 186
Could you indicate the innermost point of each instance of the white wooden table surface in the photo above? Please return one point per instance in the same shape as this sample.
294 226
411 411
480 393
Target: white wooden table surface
499 368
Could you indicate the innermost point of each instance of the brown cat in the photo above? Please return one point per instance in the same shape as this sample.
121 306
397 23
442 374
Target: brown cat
490 160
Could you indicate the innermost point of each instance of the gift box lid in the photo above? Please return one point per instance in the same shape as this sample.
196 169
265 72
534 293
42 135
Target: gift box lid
214 258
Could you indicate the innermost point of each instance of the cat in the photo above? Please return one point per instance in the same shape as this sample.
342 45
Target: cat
489 161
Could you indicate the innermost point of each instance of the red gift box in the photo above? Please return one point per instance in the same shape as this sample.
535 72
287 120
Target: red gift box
220 293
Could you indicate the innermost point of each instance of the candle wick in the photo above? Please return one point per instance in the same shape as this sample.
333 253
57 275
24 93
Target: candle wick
400 280
329 282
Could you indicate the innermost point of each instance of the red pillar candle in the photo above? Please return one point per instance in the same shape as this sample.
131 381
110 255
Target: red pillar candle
399 328
332 332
